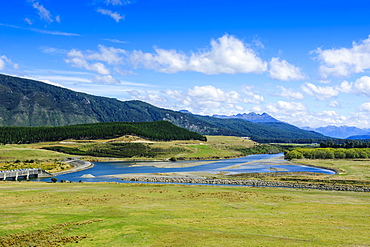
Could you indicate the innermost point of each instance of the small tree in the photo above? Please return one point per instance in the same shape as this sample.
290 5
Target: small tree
54 180
294 154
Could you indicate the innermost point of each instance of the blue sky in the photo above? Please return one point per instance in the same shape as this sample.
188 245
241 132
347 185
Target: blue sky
303 62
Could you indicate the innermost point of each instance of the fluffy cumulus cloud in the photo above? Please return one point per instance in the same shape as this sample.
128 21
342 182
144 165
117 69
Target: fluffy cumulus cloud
300 115
95 61
284 71
321 93
359 87
203 98
290 93
345 61
206 100
226 55
251 98
114 15
286 108
362 86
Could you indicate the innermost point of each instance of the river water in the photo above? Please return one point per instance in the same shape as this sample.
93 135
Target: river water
259 163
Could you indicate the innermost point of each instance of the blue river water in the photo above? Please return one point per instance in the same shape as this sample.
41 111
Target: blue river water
259 163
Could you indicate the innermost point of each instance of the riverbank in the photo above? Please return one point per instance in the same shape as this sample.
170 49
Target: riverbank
77 165
251 183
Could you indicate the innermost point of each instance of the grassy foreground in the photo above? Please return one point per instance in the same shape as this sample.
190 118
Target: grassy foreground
109 214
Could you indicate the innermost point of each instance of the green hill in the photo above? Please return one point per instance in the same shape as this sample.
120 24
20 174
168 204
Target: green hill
25 102
158 131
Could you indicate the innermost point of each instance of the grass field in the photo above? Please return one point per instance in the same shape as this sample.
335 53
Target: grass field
358 169
109 214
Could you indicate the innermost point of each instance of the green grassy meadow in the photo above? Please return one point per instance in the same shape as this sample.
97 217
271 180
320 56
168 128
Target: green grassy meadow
110 214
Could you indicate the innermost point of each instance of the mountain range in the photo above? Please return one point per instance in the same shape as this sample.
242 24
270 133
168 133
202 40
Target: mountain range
252 117
25 102
343 132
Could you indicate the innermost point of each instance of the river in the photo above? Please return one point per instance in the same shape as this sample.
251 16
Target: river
260 163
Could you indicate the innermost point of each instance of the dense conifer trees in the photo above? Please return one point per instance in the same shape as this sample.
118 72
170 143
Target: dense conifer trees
160 131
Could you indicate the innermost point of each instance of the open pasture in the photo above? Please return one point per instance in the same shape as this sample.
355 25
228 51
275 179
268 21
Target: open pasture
109 214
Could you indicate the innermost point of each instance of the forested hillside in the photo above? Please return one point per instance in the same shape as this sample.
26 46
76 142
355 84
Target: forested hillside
25 102
159 131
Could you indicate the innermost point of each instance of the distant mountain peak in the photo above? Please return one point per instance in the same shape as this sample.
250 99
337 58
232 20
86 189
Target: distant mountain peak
340 131
252 117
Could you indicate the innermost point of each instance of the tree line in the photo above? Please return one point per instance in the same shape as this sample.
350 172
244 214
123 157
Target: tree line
158 131
328 153
345 144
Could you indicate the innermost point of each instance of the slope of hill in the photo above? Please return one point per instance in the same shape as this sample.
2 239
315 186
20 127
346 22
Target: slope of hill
25 102
359 137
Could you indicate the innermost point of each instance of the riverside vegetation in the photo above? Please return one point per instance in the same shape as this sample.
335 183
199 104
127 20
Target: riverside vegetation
48 155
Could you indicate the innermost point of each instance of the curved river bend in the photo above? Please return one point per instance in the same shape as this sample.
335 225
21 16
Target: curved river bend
259 163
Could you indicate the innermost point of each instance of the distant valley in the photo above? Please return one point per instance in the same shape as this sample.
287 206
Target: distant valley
25 102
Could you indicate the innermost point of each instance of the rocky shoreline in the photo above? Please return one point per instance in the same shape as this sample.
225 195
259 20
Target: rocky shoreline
251 183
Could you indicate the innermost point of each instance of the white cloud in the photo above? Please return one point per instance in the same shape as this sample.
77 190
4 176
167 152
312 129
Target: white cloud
44 13
57 18
107 55
359 87
283 71
227 55
2 64
53 32
116 16
117 41
206 100
362 86
290 93
29 21
286 108
252 97
298 114
167 61
41 31
80 62
52 50
4 60
334 104
321 93
365 107
108 79
345 61
53 78
117 2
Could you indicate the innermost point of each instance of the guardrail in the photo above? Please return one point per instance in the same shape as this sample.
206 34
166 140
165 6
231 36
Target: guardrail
23 174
